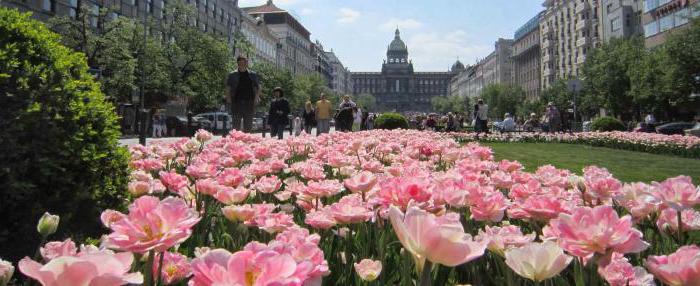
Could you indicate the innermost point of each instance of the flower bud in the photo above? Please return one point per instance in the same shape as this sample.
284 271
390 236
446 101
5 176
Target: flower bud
6 271
48 224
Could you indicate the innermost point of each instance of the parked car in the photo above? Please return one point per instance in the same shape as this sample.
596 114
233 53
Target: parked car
221 121
258 124
645 127
674 128
177 125
695 131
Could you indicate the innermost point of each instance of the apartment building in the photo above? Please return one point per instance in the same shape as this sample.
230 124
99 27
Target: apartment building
341 79
661 17
264 40
620 19
568 31
526 58
497 67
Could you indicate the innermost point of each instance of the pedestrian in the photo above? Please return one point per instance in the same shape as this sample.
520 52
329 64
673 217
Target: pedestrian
309 117
481 117
323 115
531 123
370 122
296 125
243 94
553 117
157 124
357 119
345 114
277 116
451 124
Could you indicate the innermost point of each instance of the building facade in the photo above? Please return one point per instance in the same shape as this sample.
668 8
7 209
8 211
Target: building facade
526 58
264 41
469 82
322 64
497 66
398 87
341 79
568 31
620 19
663 16
296 46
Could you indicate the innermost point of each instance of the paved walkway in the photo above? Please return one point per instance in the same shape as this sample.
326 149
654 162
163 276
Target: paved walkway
134 141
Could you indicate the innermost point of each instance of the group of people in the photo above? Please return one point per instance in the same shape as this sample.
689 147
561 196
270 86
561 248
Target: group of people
243 94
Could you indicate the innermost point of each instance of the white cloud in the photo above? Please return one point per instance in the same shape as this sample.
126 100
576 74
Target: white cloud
347 15
403 24
433 51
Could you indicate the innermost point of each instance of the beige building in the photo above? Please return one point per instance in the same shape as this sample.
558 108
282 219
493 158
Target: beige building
265 42
468 82
296 46
497 66
663 16
568 31
526 58
620 19
341 78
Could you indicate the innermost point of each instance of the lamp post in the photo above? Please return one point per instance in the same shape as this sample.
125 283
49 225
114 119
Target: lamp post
142 108
574 86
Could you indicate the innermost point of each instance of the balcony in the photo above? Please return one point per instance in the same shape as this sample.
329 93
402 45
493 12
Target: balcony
547 43
583 41
547 58
580 59
548 72
582 24
546 29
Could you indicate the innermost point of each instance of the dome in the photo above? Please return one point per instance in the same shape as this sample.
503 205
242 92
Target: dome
457 66
397 45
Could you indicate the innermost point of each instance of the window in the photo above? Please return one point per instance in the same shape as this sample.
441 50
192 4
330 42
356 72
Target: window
682 17
650 5
72 8
48 5
615 24
149 6
131 2
651 29
94 13
666 23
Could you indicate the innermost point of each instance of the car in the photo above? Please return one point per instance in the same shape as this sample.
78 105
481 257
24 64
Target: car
220 121
258 124
645 127
695 131
674 128
177 125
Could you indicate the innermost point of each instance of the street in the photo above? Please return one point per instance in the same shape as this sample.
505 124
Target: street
134 141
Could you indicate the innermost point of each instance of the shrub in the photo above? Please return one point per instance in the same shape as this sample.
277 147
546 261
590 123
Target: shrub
59 147
391 121
607 124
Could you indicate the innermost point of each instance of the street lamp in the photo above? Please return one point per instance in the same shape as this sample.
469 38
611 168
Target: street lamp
142 109
574 86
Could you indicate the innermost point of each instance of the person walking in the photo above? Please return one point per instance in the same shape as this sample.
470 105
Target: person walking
278 114
553 117
323 115
243 94
309 117
482 117
357 119
345 114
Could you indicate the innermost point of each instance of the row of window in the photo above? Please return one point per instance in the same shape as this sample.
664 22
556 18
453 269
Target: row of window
653 4
670 21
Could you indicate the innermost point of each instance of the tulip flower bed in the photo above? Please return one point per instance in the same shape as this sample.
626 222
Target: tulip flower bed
679 145
375 208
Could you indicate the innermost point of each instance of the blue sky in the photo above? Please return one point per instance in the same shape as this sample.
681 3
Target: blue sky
437 32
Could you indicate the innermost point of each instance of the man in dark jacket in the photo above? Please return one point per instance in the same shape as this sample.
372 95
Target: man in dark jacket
243 94
279 111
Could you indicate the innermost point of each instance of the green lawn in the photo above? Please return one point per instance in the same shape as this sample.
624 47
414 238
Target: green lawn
627 166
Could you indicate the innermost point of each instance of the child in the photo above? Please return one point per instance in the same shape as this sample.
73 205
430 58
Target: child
296 125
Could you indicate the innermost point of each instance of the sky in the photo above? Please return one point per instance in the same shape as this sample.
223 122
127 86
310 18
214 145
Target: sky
437 32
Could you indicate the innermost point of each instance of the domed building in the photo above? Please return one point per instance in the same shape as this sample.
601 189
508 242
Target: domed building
397 87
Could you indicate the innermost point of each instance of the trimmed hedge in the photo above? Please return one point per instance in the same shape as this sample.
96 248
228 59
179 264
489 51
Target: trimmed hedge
59 148
605 124
391 121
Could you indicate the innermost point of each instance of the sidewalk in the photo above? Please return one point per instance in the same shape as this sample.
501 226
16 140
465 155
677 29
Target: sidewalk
135 140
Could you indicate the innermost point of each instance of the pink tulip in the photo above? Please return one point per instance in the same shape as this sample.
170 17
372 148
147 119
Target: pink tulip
489 207
203 135
153 225
175 267
681 268
350 209
361 182
619 272
57 249
173 181
500 239
321 219
201 170
678 193
238 213
272 222
588 231
102 268
600 184
638 199
231 177
268 185
538 261
207 186
230 196
368 269
438 239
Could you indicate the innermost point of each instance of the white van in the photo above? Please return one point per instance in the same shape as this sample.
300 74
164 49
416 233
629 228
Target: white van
221 121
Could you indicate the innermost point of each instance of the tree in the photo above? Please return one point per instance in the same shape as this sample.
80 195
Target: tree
682 74
502 99
606 75
366 101
445 104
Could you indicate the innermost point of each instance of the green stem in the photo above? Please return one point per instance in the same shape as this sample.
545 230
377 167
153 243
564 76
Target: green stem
680 229
160 268
425 277
148 272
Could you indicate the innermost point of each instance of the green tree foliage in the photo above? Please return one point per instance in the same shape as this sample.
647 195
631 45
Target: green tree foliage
391 121
682 64
58 138
444 104
606 74
366 101
607 123
502 99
